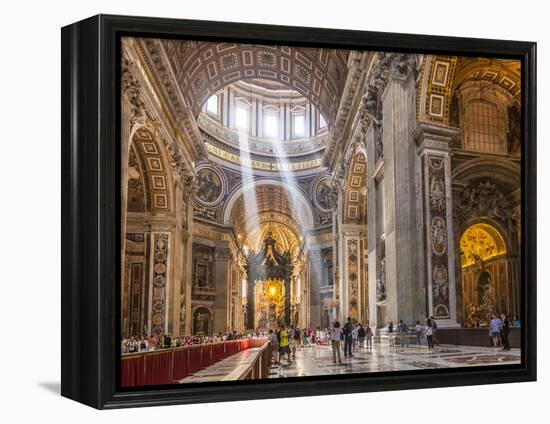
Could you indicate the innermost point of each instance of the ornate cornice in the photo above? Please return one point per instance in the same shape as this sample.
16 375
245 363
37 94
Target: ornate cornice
357 64
154 59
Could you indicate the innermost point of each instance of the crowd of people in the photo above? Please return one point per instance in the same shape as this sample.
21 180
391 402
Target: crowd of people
285 341
135 344
348 337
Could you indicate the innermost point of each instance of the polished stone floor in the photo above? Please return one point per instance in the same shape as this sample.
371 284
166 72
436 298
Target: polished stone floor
318 360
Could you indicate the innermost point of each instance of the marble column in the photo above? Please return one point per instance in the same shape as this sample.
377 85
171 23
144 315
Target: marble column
315 273
221 278
399 174
433 146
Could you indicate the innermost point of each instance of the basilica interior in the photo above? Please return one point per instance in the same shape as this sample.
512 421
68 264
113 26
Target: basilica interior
269 185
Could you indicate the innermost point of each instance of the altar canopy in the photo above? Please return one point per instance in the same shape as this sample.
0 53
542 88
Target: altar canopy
269 273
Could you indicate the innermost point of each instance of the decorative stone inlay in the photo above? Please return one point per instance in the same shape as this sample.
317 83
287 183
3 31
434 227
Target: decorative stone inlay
160 262
437 216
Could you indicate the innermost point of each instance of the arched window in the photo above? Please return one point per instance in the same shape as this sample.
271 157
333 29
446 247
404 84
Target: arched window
483 116
271 121
484 127
242 117
298 121
212 105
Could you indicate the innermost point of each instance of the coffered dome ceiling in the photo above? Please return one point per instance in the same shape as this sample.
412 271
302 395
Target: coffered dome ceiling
203 68
188 73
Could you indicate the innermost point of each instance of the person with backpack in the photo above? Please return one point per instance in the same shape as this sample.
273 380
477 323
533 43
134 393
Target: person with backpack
348 337
403 330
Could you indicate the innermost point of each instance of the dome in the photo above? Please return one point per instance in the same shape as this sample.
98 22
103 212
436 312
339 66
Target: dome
265 122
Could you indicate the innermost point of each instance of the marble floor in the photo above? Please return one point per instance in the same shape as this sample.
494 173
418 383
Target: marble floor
318 360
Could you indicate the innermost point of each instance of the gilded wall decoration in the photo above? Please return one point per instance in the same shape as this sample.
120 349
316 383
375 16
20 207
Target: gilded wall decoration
480 242
434 95
160 270
158 175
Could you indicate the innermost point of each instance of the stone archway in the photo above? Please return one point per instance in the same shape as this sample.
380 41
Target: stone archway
487 287
149 193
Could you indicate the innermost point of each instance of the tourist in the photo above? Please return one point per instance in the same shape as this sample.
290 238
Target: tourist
429 333
494 330
504 331
152 341
348 338
292 341
391 336
361 334
336 337
403 331
434 330
274 347
143 345
354 336
517 322
305 339
419 328
297 338
369 334
284 347
133 345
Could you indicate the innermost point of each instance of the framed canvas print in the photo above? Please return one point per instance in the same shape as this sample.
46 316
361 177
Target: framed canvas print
256 211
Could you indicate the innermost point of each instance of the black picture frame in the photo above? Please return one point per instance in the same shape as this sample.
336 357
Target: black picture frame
91 210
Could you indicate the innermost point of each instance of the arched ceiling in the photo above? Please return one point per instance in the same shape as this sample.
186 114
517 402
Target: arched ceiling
202 68
506 73
442 75
267 208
